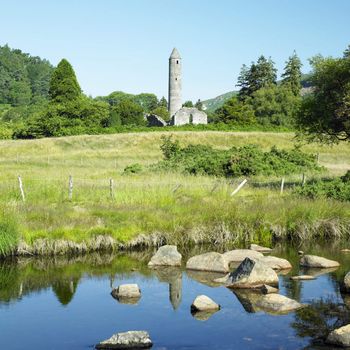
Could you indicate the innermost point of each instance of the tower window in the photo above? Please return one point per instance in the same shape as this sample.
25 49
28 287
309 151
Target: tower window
175 78
177 61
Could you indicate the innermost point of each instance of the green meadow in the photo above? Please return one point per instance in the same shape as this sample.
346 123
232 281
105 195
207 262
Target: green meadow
158 207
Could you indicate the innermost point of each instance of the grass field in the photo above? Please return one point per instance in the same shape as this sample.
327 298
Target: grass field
178 208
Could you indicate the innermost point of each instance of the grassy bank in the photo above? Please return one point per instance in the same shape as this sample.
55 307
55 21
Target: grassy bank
156 207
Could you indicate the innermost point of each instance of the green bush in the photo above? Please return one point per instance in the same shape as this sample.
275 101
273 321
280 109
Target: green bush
336 188
133 169
248 160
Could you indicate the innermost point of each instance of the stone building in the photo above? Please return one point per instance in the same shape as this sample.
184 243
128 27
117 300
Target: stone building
180 115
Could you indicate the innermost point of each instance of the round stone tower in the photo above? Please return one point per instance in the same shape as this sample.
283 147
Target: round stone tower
174 99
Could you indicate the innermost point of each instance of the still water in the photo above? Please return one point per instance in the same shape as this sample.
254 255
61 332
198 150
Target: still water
65 303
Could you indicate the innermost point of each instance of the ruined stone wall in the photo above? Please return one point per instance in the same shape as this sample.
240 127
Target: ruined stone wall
187 115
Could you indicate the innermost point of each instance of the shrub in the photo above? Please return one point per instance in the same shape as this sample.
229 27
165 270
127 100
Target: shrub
133 169
238 161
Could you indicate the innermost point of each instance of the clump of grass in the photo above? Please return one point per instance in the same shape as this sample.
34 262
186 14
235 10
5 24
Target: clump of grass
9 236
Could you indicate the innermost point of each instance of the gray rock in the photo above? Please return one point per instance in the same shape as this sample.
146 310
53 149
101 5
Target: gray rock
204 303
276 263
340 336
127 340
303 278
127 291
259 248
277 304
238 255
317 261
252 274
346 283
265 289
166 255
208 262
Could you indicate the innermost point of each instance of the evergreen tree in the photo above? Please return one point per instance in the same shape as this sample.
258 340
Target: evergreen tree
187 104
163 102
292 74
199 105
258 75
64 85
347 52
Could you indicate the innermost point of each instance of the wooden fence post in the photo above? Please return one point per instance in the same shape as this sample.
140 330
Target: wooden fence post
70 188
176 188
303 180
111 188
21 188
282 185
239 187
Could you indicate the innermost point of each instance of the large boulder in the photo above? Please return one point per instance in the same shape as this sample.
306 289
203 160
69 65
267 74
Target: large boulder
204 303
208 262
166 255
317 261
259 248
252 274
277 304
238 255
340 336
275 263
127 340
127 292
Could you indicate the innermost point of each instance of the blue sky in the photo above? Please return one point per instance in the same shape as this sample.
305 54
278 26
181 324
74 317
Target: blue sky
125 45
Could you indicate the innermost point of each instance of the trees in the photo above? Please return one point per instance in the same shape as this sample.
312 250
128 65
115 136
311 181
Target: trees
258 75
275 105
147 101
188 104
325 114
129 113
199 105
292 74
162 112
235 112
163 102
64 85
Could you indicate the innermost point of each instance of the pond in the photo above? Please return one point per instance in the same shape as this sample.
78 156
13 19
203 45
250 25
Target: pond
65 303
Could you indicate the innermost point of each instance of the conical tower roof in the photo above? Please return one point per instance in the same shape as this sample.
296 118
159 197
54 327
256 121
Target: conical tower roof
175 54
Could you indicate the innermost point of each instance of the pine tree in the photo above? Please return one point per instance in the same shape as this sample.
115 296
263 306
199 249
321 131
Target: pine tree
163 102
292 74
64 85
347 52
199 105
258 75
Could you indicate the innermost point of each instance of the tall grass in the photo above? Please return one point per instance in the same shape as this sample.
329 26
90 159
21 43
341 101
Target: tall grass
9 235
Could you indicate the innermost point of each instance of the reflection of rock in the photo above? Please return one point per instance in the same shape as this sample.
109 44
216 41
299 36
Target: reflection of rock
208 262
204 303
317 261
259 248
127 340
340 336
203 315
251 274
173 276
166 255
127 293
277 304
204 277
248 299
315 272
346 283
238 255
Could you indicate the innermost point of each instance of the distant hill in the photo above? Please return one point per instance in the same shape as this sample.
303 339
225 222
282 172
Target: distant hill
212 104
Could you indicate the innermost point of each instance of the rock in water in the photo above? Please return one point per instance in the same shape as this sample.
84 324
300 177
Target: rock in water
265 289
126 291
277 304
208 262
259 248
252 274
238 255
346 283
340 336
204 303
303 278
127 340
166 255
317 261
276 263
